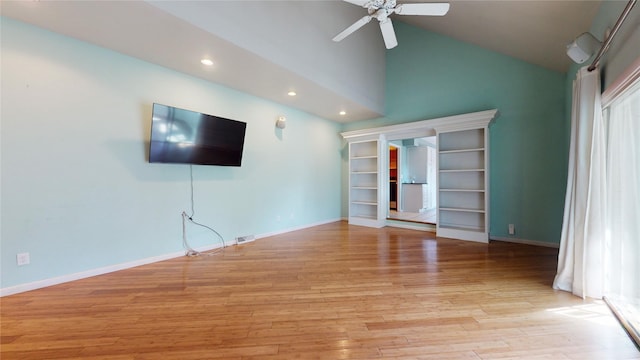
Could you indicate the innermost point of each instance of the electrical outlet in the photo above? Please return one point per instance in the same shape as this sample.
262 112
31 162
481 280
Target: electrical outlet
245 239
23 259
512 229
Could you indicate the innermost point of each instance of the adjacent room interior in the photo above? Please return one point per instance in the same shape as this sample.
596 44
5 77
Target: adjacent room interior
412 180
292 179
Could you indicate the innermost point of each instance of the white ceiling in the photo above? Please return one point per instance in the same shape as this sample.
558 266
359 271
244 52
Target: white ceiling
267 48
534 31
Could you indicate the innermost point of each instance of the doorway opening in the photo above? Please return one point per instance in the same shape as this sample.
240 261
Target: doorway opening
393 177
412 180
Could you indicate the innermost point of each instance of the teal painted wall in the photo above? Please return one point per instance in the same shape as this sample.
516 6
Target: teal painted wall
430 76
77 191
624 49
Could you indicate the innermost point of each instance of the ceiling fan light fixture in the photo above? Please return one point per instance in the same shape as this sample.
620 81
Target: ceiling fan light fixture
207 62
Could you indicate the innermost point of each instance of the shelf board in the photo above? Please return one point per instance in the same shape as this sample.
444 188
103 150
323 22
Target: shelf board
463 190
460 170
460 150
364 187
363 172
365 203
369 217
364 157
480 211
461 227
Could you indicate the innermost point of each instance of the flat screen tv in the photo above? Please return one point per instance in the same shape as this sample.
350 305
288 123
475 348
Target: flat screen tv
187 137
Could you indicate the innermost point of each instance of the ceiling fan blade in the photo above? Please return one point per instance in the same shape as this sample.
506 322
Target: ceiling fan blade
358 2
357 25
388 34
433 9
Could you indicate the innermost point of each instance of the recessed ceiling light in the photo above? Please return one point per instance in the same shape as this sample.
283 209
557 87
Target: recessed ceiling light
292 93
207 62
343 113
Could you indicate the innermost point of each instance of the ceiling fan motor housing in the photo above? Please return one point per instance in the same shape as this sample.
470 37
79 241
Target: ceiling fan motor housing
375 5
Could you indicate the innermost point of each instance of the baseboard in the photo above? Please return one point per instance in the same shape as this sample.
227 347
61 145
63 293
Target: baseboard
296 228
411 225
95 272
11 290
523 241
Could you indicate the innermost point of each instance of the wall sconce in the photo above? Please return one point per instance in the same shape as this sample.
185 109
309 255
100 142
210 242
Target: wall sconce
583 47
281 123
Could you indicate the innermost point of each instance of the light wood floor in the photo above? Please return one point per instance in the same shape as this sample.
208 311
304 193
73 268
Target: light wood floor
330 292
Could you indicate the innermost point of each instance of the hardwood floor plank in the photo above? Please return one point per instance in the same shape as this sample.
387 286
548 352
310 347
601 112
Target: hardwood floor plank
333 291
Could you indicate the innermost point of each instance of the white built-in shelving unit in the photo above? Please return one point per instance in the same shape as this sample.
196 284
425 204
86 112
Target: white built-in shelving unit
365 187
462 177
463 196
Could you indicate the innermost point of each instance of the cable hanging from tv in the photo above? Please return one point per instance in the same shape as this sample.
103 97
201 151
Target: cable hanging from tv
189 251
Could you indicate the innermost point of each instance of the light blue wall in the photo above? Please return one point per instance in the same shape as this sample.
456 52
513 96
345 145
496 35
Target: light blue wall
77 191
430 76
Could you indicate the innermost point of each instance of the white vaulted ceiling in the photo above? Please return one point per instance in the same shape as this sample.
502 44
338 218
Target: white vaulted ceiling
267 48
534 31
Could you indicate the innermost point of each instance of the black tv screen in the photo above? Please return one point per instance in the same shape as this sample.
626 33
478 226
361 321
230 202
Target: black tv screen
189 137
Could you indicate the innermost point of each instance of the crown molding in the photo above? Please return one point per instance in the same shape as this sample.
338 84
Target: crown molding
424 128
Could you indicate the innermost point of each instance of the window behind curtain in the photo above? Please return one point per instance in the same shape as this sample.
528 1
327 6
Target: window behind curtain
622 119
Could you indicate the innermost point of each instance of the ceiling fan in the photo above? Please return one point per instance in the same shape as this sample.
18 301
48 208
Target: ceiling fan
382 9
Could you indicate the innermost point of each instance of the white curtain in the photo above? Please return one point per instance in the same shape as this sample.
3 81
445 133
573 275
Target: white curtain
623 179
581 257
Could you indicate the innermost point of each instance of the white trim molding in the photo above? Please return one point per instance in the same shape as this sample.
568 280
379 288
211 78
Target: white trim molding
423 128
94 272
622 83
524 241
411 225
284 231
11 290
